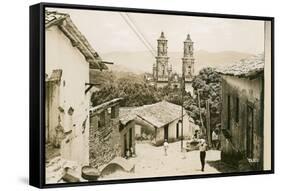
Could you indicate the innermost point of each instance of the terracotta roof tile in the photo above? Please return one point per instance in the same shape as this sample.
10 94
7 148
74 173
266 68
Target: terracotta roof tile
158 114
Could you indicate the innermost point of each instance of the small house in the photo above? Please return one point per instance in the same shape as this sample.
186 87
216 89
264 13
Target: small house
162 120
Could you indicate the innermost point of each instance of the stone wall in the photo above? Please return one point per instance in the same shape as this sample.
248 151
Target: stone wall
104 139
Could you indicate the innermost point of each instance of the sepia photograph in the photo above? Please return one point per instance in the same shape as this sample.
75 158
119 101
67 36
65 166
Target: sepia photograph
132 95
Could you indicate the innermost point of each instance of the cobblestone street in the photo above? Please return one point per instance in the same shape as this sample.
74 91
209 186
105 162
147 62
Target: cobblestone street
151 162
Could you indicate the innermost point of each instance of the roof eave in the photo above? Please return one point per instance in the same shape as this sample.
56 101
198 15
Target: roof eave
105 105
77 39
249 75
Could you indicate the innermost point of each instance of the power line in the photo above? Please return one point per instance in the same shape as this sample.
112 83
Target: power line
138 35
138 29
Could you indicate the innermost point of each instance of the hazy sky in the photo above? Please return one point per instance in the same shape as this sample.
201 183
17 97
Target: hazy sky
108 32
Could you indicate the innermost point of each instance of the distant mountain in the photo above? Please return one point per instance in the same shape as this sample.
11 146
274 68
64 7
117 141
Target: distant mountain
140 62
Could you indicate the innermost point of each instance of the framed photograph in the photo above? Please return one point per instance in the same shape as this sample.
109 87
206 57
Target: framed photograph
120 95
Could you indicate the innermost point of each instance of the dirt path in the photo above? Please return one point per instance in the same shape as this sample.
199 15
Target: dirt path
151 162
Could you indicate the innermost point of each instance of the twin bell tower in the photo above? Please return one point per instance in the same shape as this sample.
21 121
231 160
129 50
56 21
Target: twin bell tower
162 70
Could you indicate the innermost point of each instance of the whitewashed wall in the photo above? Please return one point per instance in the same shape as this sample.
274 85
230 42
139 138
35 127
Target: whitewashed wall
172 130
60 54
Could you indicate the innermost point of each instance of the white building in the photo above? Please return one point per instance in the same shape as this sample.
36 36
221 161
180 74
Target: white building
162 120
69 58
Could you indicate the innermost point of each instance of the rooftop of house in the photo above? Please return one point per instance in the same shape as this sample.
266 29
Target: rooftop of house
161 113
157 114
247 68
128 114
78 40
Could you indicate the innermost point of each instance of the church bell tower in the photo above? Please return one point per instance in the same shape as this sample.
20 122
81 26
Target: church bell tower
162 67
188 64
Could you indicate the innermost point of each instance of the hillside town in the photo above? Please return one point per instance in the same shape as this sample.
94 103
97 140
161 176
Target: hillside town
103 124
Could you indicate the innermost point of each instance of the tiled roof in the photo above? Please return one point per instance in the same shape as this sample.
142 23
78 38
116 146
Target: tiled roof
78 40
158 114
161 113
127 114
53 18
246 67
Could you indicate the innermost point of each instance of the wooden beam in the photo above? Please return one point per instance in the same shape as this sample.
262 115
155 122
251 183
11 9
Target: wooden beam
90 86
106 62
103 106
94 84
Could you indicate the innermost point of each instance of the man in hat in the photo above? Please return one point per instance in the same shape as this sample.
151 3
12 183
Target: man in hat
202 148
166 145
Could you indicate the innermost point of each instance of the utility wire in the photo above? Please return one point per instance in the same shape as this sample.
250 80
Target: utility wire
138 29
138 35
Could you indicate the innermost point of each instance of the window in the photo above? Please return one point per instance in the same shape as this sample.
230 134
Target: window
237 110
178 130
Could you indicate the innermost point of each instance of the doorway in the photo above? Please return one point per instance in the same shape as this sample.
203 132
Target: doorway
178 131
166 132
125 144
130 138
250 127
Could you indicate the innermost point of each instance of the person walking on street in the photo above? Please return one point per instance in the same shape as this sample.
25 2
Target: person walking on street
202 148
215 139
166 145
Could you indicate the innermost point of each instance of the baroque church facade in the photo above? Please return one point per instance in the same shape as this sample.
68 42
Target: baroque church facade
162 74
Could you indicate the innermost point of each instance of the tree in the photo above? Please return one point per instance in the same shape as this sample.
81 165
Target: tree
136 92
206 85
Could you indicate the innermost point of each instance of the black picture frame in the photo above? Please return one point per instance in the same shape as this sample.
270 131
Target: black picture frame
37 93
